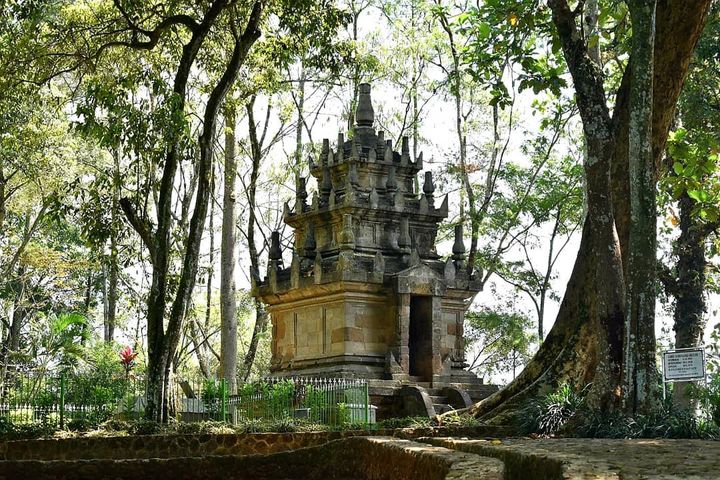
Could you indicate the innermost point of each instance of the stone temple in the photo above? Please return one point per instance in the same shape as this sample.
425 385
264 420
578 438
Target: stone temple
366 294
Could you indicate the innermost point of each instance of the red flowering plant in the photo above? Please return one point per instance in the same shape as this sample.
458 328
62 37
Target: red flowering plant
127 359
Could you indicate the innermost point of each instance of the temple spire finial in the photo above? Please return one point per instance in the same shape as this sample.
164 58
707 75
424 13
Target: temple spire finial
364 115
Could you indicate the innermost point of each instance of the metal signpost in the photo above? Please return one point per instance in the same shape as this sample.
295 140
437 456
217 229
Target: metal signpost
683 365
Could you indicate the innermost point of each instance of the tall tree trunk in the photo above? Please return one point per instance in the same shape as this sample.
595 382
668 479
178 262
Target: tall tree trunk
86 305
112 285
18 320
689 289
585 344
261 317
162 342
3 181
228 308
640 370
299 126
211 258
457 92
198 341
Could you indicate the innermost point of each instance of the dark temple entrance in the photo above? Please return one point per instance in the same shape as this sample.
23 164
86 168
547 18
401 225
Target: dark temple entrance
420 338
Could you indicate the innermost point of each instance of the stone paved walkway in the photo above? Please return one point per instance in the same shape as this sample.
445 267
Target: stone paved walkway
596 459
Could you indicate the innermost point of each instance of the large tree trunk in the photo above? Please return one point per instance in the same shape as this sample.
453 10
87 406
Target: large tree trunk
228 309
586 343
641 374
190 262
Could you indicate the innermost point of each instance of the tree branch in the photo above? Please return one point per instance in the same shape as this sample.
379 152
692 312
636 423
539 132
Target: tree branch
141 226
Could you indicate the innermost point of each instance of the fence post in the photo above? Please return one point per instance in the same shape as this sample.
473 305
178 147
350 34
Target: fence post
367 404
62 400
223 391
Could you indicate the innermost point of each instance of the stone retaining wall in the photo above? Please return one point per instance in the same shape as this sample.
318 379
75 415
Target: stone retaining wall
376 458
175 446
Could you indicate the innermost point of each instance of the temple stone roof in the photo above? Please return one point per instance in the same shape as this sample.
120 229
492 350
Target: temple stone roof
365 222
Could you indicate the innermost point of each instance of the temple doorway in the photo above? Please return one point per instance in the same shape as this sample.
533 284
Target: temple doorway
420 338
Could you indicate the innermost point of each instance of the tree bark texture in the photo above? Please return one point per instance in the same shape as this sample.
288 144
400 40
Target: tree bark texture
641 375
228 308
689 289
112 284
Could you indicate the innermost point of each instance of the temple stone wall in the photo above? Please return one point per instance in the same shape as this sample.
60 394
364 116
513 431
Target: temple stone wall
347 324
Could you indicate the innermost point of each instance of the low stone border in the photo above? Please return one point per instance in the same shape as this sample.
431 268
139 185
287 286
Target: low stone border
374 458
174 446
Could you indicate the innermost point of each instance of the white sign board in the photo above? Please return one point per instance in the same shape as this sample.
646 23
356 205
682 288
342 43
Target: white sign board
684 364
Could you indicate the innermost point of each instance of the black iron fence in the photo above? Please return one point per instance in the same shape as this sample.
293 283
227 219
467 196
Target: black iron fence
67 398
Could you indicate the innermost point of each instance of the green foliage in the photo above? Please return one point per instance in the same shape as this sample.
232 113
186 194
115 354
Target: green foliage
208 427
500 341
500 34
10 430
565 412
146 427
99 382
709 396
214 392
667 423
316 400
535 209
267 400
460 420
82 424
115 425
695 163
549 413
342 412
407 422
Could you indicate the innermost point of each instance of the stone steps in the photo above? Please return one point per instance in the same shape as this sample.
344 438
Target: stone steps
440 403
442 408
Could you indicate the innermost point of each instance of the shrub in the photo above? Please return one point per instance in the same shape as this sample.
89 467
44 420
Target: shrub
6 427
28 431
146 427
81 424
665 423
21 415
551 412
25 430
209 427
591 424
115 425
407 422
282 425
252 425
460 420
709 396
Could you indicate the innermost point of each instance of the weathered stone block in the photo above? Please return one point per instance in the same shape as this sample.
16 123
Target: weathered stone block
347 334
